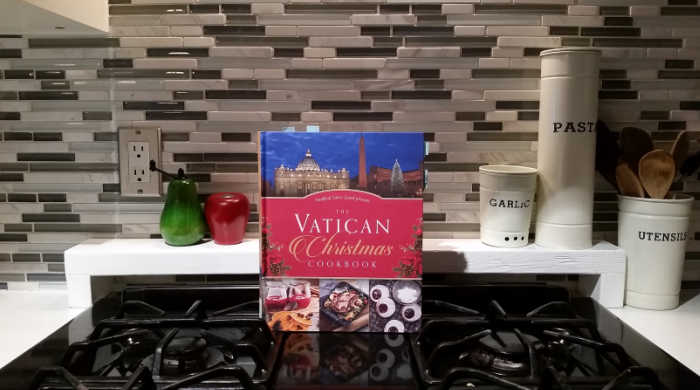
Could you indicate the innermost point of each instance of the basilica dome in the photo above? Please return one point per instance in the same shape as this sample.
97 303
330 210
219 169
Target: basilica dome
308 163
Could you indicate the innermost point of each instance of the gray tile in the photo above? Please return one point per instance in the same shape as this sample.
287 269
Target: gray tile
48 95
103 136
97 116
118 63
528 115
234 30
58 207
366 51
235 8
362 116
286 116
48 136
46 277
8 95
148 9
45 156
4 257
679 64
18 227
488 126
520 9
20 257
74 167
11 176
563 30
13 166
56 268
470 116
610 31
182 137
13 237
178 52
230 40
679 74
421 94
375 95
656 115
340 105
206 8
243 84
10 278
18 74
417 31
50 217
618 21
118 73
145 105
471 42
175 115
188 95
73 42
206 73
52 197
78 228
450 227
234 94
50 74
53 257
637 42
505 73
10 53
51 84
331 8
241 167
15 197
501 136
683 11
517 105
331 74
116 197
617 95
9 116
614 10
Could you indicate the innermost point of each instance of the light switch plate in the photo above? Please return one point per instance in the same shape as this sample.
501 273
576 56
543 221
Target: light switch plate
137 147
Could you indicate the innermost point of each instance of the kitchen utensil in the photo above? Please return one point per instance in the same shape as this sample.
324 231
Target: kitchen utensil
627 182
181 221
656 173
680 148
607 152
227 216
635 143
566 148
506 199
654 234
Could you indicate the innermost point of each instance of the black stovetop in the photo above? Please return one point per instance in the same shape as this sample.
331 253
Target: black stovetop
494 336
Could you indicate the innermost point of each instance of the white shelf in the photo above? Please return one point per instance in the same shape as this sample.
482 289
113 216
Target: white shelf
602 268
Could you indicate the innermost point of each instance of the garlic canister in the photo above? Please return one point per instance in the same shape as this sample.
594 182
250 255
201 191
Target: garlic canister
566 147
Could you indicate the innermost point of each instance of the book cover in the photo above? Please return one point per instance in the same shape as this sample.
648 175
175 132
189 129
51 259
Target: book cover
341 231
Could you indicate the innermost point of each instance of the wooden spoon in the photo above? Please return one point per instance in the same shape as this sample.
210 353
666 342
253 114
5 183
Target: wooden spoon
627 181
635 143
656 172
680 148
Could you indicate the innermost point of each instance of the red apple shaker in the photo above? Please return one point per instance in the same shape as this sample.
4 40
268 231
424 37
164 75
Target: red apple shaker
227 215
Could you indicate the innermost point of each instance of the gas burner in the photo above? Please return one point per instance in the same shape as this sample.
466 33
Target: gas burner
185 355
545 347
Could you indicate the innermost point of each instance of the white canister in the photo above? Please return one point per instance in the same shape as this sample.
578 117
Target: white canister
654 233
566 148
506 195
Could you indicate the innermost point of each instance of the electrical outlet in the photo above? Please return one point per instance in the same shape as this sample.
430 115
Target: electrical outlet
137 147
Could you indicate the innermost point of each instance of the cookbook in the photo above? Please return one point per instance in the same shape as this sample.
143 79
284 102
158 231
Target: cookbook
341 219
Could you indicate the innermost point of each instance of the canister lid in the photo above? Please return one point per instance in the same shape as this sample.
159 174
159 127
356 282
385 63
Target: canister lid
501 169
560 50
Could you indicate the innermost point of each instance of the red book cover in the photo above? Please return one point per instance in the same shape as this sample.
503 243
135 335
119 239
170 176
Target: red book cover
341 231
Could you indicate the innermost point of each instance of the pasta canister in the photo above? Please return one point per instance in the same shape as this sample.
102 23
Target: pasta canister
566 147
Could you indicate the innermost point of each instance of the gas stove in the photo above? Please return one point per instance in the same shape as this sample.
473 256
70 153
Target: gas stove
497 336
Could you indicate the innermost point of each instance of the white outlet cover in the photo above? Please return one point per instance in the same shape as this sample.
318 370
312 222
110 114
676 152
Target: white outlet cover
137 147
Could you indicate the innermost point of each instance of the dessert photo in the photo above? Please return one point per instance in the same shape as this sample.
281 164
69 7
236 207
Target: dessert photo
291 304
395 306
344 305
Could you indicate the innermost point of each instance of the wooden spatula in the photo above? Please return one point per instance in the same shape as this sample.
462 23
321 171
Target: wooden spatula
635 143
656 173
627 181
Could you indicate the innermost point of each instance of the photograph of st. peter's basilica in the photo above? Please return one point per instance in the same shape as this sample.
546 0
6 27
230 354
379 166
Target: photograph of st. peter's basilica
298 164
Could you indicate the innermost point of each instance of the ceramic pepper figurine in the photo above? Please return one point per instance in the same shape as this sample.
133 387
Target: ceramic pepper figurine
227 216
182 221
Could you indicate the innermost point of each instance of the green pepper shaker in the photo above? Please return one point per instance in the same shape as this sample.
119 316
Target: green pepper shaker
182 221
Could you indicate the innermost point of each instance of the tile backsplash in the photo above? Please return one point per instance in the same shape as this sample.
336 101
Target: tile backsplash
211 73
